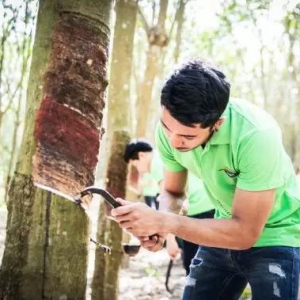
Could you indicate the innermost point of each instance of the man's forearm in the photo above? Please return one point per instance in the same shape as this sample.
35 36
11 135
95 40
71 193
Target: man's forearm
219 233
171 202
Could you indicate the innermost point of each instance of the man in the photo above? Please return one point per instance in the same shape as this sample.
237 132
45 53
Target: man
236 148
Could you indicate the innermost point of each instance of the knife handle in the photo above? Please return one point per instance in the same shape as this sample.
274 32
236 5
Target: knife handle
108 198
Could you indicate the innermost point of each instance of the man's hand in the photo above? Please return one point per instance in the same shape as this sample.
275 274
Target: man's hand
130 217
172 193
153 243
138 218
172 246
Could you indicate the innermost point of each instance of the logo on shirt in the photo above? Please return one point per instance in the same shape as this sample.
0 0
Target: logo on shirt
230 173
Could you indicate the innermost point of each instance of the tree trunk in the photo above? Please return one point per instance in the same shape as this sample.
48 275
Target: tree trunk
116 185
118 121
145 96
119 94
180 20
152 119
121 66
45 253
25 51
157 39
106 287
98 288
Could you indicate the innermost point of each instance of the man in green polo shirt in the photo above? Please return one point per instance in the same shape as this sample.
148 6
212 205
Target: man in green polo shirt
236 149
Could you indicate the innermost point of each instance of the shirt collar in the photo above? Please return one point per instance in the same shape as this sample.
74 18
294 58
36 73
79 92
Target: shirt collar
222 136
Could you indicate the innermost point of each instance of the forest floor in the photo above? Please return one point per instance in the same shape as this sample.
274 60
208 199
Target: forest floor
142 278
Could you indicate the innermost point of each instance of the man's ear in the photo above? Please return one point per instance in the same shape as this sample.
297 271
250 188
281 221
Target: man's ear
141 155
219 123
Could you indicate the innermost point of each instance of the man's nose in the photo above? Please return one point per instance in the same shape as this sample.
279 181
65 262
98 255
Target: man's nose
175 141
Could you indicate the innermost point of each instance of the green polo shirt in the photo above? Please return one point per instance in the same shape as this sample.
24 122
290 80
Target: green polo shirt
245 153
157 167
155 175
198 200
150 186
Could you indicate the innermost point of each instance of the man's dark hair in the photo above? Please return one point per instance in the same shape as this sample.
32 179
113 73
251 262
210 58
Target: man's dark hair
134 147
196 93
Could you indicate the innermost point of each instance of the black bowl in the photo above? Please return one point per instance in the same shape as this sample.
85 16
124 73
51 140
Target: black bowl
131 250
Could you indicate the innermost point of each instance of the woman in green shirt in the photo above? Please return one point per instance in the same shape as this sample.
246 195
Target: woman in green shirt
198 207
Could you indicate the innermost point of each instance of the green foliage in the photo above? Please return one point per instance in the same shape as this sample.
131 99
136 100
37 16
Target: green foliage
152 272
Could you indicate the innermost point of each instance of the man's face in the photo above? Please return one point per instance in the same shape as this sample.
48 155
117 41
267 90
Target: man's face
184 138
141 164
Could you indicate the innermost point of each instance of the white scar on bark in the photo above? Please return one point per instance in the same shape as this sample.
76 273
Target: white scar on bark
54 191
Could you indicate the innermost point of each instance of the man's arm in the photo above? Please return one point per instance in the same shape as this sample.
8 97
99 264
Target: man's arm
161 186
250 213
175 182
172 193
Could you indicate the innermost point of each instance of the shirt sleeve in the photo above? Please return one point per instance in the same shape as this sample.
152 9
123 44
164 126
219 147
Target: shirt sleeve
166 151
261 161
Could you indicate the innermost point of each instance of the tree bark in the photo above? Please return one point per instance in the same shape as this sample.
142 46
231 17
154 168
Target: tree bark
121 66
105 279
157 39
98 288
106 286
180 20
25 52
119 89
116 175
45 253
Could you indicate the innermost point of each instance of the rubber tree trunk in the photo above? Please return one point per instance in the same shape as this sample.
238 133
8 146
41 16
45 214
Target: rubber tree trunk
119 89
107 287
179 21
46 244
121 66
157 39
118 124
116 184
179 18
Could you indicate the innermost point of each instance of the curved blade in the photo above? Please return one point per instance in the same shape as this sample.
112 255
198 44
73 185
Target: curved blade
168 276
95 190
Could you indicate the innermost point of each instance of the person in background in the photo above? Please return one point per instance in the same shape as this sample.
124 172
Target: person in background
199 207
149 189
298 174
147 161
